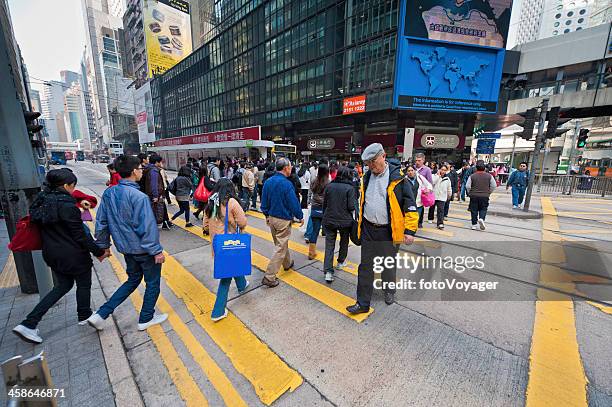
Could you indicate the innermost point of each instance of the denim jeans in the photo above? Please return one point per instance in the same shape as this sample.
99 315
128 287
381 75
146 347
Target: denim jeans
183 208
518 193
308 228
222 292
463 190
254 197
421 211
316 225
330 246
478 208
137 267
62 286
245 198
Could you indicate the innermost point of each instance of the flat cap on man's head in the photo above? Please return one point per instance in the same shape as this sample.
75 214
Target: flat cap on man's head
372 151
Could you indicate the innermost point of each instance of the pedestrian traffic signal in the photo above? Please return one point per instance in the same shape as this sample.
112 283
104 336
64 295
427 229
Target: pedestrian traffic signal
478 130
528 124
582 138
555 119
351 148
33 127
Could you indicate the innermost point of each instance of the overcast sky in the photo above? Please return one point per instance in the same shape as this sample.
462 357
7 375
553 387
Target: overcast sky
51 35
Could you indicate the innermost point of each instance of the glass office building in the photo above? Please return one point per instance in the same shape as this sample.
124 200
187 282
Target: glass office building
279 63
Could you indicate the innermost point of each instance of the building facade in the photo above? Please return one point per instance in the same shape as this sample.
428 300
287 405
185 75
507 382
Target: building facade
88 110
53 110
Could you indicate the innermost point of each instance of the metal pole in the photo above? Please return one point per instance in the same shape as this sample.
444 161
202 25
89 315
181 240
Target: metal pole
573 146
546 150
533 161
513 150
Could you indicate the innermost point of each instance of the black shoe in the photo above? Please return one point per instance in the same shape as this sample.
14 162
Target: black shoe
357 309
189 225
389 298
290 266
420 225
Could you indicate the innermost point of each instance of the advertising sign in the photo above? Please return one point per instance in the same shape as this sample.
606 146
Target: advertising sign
167 28
144 114
435 141
488 135
356 104
246 133
483 22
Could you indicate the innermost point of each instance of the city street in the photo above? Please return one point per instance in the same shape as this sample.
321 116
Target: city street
541 338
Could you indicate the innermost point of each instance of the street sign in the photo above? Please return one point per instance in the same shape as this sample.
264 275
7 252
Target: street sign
321 144
485 146
488 136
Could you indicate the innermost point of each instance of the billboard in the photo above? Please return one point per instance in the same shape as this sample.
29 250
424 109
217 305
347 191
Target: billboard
356 104
167 27
446 76
144 114
482 22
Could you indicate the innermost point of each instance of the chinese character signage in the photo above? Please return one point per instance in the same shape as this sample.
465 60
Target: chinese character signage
244 134
356 104
167 27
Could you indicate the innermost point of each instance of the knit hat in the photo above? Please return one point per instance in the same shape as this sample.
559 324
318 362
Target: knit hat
59 177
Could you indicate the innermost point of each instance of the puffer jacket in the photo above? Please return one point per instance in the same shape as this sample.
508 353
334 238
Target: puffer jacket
66 245
339 204
442 188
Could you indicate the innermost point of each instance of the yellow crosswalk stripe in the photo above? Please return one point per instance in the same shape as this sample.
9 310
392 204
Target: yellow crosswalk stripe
185 384
436 231
331 298
269 375
586 231
599 212
556 374
261 216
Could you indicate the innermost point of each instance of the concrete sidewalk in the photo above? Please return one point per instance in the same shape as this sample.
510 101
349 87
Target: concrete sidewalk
90 366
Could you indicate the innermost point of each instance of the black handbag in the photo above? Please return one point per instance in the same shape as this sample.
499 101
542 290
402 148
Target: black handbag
354 236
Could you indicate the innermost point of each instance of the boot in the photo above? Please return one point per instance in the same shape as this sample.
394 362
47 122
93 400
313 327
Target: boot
312 251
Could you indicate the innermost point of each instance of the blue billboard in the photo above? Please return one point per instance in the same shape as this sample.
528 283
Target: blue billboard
445 76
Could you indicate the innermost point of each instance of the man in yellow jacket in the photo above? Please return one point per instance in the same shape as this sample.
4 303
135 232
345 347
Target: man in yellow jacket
388 218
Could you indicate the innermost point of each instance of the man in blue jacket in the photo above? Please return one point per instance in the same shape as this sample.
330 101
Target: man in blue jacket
125 214
518 181
280 205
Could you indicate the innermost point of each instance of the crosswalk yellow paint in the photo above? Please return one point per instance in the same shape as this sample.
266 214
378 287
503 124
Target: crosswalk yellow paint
556 374
8 277
185 384
269 375
331 298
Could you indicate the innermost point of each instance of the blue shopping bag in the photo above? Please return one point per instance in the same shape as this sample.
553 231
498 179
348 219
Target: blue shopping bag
232 253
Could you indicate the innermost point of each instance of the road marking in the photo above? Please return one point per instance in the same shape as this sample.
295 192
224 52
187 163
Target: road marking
556 374
8 277
331 298
269 375
437 231
185 384
571 213
586 231
261 216
603 308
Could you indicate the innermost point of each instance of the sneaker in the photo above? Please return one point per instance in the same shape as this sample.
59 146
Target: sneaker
342 264
240 292
481 224
514 206
96 321
215 319
446 218
189 225
157 319
430 221
474 227
27 334
329 277
269 283
440 227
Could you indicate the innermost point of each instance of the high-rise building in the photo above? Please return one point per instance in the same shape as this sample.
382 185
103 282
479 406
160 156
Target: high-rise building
548 18
53 110
202 21
116 7
86 96
74 118
69 77
36 102
103 57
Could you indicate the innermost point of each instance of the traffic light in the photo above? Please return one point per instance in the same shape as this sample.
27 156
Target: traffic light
528 124
478 130
555 119
582 138
351 148
33 127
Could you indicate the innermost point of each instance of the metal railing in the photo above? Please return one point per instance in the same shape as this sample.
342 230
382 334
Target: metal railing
574 184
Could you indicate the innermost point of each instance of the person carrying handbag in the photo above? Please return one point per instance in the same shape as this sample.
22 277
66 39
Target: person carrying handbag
221 204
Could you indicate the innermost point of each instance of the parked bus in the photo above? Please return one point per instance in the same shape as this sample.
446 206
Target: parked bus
284 150
115 149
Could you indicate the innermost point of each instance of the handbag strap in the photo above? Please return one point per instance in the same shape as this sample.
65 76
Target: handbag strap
226 215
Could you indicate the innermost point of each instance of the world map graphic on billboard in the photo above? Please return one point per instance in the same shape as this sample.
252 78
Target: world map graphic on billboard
442 69
478 22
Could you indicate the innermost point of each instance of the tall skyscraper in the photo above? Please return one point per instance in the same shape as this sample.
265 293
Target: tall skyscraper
74 118
548 18
86 96
53 110
116 8
69 77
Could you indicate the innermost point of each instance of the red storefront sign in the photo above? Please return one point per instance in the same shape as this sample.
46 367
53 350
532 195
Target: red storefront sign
246 133
356 104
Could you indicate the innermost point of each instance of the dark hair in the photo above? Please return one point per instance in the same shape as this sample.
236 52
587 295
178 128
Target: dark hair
110 166
184 171
319 184
303 170
524 162
154 159
203 172
60 177
142 157
126 164
225 188
480 165
344 174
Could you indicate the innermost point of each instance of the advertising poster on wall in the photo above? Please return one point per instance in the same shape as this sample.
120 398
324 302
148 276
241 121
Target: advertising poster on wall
443 75
144 114
167 26
478 22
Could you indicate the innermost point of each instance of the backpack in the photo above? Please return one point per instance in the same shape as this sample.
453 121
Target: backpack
172 187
